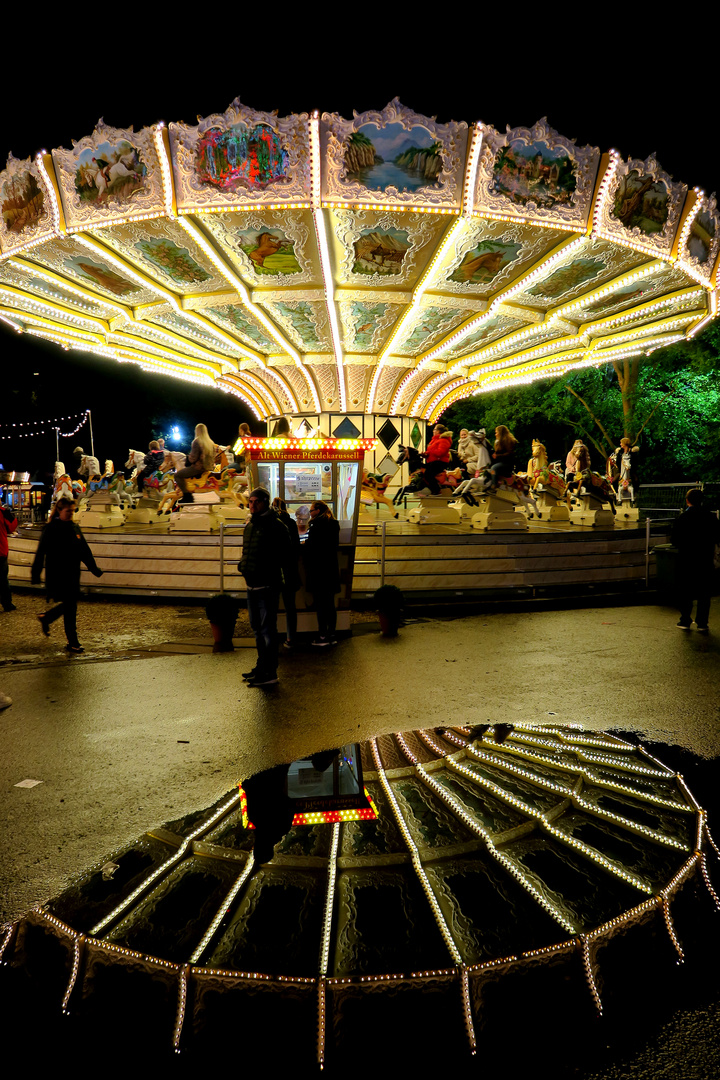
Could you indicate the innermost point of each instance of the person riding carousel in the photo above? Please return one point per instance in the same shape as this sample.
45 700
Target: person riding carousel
503 456
151 463
200 459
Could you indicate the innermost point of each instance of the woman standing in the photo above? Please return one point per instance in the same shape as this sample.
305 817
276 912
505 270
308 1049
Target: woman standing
200 459
322 572
61 549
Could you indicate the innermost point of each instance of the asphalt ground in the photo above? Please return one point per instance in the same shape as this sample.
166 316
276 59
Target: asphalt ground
122 742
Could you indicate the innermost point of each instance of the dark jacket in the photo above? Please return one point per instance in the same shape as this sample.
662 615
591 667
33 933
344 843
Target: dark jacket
153 460
61 549
695 534
267 552
292 580
320 555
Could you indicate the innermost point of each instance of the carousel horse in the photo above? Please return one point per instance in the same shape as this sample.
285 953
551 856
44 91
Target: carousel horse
413 459
593 484
373 488
63 484
174 459
483 484
207 481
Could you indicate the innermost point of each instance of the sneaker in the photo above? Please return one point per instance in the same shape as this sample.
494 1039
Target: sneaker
11 607
44 625
288 644
321 642
333 640
263 680
683 625
74 648
247 675
703 629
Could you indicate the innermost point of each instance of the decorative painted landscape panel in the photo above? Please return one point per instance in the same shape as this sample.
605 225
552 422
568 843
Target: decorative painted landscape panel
101 274
241 157
237 317
485 261
364 319
393 156
172 260
380 251
22 201
566 278
641 201
433 322
299 315
702 234
533 172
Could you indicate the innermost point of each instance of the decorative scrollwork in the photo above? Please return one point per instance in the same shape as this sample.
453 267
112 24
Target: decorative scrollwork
642 206
26 205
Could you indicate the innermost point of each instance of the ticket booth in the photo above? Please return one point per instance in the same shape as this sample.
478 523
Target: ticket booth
303 471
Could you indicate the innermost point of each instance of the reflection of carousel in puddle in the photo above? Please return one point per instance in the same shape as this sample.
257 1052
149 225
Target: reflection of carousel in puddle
490 861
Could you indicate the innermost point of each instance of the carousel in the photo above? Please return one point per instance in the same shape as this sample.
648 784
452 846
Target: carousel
358 276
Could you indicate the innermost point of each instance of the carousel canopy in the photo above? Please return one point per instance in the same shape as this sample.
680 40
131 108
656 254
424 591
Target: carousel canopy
381 264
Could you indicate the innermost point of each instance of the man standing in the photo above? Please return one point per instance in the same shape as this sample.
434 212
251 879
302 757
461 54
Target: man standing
695 534
265 562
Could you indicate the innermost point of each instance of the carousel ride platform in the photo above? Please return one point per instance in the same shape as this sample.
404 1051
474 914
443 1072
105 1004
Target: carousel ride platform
427 561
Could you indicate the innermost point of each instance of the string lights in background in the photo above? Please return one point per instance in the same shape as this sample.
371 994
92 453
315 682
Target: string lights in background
44 427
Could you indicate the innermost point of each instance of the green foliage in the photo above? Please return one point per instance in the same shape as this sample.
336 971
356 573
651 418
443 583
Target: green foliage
682 435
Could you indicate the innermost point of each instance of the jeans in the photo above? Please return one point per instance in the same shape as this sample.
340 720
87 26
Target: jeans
324 603
68 610
262 610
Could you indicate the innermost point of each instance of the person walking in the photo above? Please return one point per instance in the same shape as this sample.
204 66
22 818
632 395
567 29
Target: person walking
8 524
61 549
291 583
265 565
322 572
200 459
695 534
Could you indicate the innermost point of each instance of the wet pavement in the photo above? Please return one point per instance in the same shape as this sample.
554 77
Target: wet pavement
120 746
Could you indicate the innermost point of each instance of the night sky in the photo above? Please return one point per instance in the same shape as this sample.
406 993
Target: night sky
605 96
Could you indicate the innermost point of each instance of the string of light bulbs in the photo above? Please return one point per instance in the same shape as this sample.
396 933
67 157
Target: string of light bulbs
45 427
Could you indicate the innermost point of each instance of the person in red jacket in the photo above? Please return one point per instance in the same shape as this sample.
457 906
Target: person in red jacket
437 456
8 524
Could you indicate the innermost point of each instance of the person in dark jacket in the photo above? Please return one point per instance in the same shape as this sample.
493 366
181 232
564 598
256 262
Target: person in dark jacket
292 577
61 549
695 534
151 463
265 564
322 572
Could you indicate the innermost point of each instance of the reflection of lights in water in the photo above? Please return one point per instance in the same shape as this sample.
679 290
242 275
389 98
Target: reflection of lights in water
492 848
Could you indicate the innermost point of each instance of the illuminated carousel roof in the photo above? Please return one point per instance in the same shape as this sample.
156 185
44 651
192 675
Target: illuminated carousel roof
382 264
492 855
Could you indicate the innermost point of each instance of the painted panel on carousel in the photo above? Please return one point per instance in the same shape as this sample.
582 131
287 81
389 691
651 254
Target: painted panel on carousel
25 203
374 247
272 246
164 251
241 156
634 294
701 242
393 155
304 321
113 173
582 269
54 293
642 206
535 172
489 255
367 322
437 317
236 318
489 330
178 324
544 332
